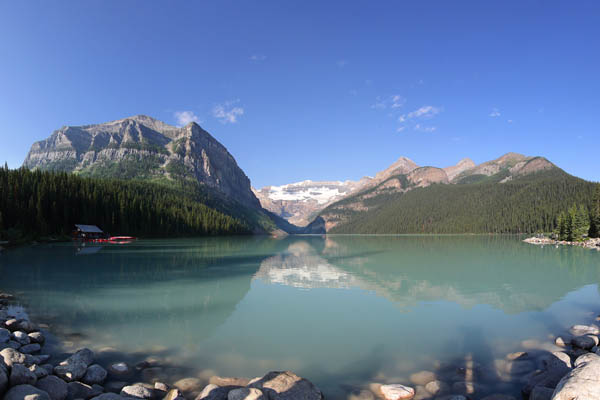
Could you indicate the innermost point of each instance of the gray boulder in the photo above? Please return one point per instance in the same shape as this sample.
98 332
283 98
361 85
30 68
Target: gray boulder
12 356
75 367
555 366
541 393
38 371
285 385
30 348
13 344
4 335
95 374
48 367
114 386
21 337
245 394
108 396
56 388
26 326
213 392
40 359
78 390
36 337
26 392
584 342
3 382
137 392
583 382
21 375
580 330
12 324
174 394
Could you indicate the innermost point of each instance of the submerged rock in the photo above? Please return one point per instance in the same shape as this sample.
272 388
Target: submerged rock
188 385
119 368
583 382
95 374
556 365
422 377
437 387
397 392
225 381
361 395
284 385
137 392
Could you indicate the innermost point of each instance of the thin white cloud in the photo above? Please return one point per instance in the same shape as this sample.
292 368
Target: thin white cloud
342 63
258 57
421 128
424 112
495 113
397 101
227 113
185 117
510 121
400 128
394 101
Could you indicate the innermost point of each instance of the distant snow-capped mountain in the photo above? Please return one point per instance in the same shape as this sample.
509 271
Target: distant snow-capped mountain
298 202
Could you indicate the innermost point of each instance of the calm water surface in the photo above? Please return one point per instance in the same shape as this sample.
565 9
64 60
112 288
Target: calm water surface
341 311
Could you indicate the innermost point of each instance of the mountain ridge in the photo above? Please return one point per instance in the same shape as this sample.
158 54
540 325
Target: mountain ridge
402 175
141 147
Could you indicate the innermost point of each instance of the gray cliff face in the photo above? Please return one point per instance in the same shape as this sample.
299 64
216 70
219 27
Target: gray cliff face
143 147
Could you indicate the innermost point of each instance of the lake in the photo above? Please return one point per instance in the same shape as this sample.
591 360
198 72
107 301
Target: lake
342 311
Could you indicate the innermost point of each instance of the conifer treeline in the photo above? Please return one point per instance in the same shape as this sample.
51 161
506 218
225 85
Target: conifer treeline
577 221
35 204
524 205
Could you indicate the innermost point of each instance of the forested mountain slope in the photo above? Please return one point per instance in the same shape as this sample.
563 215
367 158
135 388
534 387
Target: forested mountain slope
497 202
35 204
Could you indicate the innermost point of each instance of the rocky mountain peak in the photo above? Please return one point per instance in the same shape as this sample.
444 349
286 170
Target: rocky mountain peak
143 147
455 170
403 165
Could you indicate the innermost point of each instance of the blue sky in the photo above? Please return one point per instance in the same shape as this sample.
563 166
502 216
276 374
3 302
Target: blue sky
314 89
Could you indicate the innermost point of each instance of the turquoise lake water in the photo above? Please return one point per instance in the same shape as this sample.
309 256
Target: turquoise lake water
342 311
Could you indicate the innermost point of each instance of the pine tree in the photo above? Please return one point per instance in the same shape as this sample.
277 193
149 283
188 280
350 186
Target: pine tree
594 230
581 225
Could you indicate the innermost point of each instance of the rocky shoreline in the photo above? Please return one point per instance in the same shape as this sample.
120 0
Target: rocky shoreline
588 244
564 369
